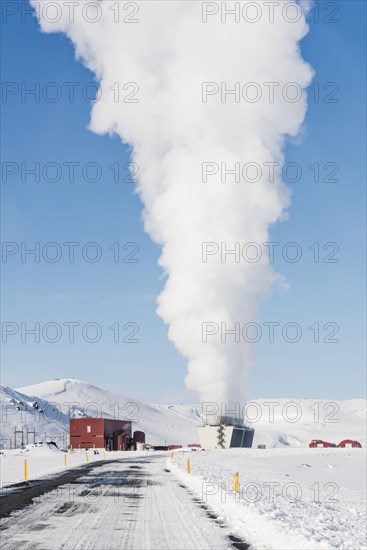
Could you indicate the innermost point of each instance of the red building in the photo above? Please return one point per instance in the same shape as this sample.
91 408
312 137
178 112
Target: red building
349 443
320 443
100 433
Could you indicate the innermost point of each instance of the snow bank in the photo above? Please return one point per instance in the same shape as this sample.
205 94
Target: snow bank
288 498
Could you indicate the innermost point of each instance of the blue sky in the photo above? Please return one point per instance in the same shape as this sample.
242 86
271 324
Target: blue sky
108 212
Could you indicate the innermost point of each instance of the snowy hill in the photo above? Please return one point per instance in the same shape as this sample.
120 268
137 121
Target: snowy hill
46 407
26 413
161 423
295 422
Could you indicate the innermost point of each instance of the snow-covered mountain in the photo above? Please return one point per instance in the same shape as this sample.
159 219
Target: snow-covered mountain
46 407
25 413
61 398
295 422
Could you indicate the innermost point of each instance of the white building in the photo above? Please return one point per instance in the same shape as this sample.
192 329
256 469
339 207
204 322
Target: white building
224 433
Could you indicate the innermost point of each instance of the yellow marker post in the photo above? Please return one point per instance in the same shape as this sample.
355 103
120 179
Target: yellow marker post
236 482
188 466
86 456
172 455
25 469
65 459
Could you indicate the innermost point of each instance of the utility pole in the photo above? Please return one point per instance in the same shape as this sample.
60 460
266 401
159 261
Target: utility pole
15 437
34 435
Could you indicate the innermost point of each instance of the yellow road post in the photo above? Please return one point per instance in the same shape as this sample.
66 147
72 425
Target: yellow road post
236 482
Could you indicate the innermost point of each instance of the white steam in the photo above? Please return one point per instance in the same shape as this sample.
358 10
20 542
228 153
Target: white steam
169 53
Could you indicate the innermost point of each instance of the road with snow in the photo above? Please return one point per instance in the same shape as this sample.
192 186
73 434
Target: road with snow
133 503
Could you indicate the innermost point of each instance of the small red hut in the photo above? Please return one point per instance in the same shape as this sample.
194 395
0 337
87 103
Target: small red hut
321 443
349 443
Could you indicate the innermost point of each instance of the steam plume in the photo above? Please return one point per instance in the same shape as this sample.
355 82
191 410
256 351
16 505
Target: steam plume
169 53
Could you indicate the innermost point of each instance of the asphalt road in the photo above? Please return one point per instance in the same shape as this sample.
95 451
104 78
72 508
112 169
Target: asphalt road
132 504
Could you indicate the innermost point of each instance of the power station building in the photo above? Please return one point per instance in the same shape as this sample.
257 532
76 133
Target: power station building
224 432
100 433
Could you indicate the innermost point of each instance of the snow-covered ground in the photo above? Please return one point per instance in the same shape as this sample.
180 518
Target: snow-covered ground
288 498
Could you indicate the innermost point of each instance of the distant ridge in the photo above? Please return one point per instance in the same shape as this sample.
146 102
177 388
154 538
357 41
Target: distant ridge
45 408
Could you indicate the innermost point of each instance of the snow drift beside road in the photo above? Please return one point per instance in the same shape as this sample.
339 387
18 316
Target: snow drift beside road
42 459
289 498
